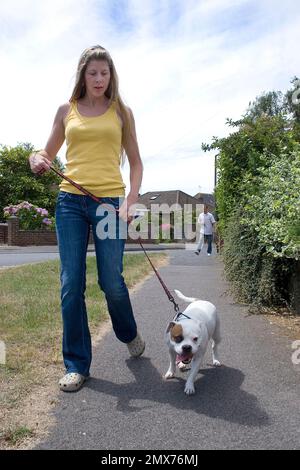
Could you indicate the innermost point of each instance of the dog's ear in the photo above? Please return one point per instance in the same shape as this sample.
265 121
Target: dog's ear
170 326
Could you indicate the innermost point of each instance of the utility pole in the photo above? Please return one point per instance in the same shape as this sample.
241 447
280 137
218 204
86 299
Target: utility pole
216 156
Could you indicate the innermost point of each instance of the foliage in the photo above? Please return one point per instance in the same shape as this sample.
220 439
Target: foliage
242 154
256 277
258 199
268 104
18 183
31 217
273 210
291 101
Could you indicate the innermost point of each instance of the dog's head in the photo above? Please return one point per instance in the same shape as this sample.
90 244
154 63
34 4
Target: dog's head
185 338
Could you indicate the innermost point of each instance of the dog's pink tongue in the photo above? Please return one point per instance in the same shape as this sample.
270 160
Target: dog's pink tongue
185 357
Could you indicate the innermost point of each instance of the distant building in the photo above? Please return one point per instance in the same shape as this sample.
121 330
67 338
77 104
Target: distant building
164 203
167 197
207 199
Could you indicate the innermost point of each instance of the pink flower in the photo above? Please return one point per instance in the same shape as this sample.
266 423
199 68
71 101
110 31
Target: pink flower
166 226
26 205
47 221
30 215
8 210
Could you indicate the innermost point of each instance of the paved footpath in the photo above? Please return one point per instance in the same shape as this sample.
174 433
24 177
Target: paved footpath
251 402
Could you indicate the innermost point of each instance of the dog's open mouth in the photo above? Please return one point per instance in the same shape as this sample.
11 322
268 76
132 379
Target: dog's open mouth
184 357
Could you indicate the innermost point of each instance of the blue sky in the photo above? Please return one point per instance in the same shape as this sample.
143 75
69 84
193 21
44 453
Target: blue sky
184 67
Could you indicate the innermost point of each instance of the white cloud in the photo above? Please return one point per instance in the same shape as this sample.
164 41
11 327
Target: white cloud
184 67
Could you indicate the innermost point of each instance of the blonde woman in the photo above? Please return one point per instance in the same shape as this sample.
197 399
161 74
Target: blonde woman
99 130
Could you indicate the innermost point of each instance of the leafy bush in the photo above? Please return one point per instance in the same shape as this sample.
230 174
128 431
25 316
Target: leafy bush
258 198
272 212
256 276
31 217
18 183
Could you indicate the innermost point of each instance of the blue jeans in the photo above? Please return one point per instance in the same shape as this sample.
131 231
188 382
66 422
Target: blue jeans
208 239
74 216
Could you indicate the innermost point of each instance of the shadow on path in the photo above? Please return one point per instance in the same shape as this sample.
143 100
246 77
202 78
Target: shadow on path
218 393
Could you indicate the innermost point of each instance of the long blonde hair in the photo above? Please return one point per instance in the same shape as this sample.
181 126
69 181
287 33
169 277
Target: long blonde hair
112 93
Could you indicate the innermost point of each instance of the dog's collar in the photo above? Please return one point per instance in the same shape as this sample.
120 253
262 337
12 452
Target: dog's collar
179 314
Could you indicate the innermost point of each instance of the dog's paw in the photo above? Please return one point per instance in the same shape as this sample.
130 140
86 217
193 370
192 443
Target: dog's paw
189 389
169 375
217 363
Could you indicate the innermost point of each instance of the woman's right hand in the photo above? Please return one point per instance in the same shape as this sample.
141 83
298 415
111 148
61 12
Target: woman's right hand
38 163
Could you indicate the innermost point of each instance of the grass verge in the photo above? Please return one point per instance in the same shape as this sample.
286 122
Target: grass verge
31 328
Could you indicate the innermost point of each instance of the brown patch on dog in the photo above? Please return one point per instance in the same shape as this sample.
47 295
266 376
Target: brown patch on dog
176 331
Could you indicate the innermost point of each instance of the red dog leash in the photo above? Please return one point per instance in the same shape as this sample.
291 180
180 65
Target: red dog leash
98 200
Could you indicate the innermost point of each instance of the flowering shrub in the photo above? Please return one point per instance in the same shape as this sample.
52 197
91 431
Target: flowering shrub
31 217
166 232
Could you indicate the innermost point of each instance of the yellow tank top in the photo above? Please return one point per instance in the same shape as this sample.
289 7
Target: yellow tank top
93 153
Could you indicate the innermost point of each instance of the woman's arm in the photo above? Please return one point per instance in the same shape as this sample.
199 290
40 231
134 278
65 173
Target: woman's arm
40 161
136 171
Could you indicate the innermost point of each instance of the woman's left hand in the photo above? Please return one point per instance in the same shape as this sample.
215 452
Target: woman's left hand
126 211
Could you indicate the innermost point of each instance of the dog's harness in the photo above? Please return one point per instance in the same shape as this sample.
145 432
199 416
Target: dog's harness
98 200
179 314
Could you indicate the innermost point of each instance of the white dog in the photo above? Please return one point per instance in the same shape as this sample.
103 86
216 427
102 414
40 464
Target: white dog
188 338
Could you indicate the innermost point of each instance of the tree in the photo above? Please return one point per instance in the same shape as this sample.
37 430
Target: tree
292 100
268 128
258 200
267 104
18 183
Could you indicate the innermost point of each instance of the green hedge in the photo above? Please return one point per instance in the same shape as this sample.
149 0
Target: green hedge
258 198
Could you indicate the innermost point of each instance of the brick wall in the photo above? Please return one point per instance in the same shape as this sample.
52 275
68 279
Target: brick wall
16 237
3 233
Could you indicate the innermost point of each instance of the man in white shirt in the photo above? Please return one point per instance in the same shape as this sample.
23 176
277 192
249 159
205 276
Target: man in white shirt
207 222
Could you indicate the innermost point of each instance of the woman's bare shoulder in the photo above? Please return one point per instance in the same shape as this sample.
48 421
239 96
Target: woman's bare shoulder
64 109
62 113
